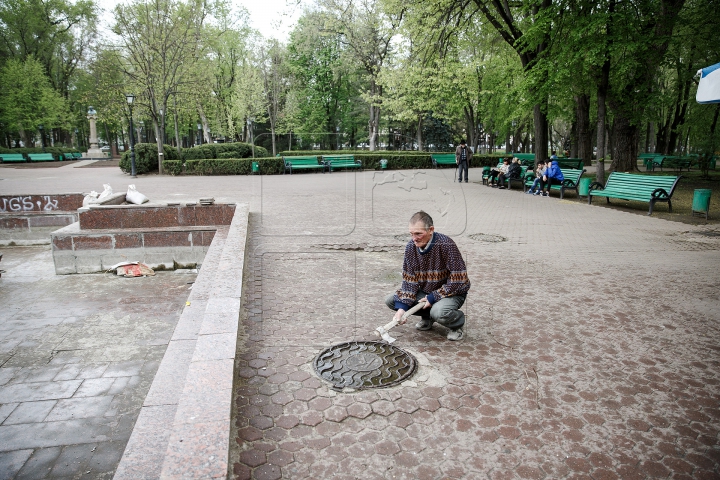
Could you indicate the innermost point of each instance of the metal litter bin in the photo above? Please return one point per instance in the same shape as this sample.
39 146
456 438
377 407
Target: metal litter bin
584 186
701 201
383 164
255 167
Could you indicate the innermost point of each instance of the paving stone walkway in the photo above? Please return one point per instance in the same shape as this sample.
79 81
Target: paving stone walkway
591 347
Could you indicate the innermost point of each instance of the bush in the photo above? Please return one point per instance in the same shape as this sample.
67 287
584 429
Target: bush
231 166
146 157
223 150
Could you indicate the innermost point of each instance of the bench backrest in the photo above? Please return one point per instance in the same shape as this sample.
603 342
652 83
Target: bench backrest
9 157
40 156
524 156
306 160
640 185
440 157
574 163
339 158
572 174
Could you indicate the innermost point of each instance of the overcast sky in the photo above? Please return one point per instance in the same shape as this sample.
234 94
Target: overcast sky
272 18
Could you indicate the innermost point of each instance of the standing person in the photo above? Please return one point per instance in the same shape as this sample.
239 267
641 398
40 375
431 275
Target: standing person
433 271
553 176
463 155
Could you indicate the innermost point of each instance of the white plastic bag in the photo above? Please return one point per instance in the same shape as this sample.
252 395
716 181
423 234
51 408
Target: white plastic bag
90 198
133 196
106 193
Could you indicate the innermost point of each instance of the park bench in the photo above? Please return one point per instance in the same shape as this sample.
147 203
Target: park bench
525 158
509 181
675 163
571 181
341 161
12 157
303 163
443 159
648 159
642 188
486 173
41 157
73 156
574 163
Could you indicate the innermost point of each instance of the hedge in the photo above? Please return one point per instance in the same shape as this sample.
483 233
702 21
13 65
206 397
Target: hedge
146 157
223 150
225 166
275 165
56 151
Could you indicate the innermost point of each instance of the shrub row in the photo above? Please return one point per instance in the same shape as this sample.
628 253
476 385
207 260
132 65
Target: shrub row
225 166
56 151
275 165
146 157
223 150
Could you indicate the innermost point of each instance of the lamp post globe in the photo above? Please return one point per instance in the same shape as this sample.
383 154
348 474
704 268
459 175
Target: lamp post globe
130 99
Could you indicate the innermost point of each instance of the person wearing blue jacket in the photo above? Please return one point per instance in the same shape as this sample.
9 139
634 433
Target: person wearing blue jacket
553 176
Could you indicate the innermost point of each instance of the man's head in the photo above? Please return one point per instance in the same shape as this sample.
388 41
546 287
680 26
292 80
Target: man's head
514 160
462 142
506 161
541 162
421 229
553 152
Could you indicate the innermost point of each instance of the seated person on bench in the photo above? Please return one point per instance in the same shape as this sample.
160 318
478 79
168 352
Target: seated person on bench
553 176
541 169
513 172
492 179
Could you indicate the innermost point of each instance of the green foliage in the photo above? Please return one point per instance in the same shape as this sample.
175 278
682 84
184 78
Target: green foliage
146 157
223 150
28 100
233 166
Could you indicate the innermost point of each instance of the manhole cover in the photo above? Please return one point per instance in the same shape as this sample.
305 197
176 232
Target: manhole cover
486 237
362 365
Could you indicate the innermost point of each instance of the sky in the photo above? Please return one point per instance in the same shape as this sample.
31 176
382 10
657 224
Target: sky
272 18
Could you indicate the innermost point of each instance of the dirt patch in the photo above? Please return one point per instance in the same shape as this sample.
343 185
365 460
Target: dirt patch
103 164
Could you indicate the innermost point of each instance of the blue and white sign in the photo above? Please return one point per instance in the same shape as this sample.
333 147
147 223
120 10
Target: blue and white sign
709 87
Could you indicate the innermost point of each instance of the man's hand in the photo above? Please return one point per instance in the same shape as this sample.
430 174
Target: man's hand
398 317
544 178
427 304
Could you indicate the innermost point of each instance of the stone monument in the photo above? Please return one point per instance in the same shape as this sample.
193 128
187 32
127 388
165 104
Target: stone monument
94 150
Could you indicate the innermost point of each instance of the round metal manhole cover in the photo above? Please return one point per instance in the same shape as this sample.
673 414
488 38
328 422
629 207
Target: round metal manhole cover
361 365
486 237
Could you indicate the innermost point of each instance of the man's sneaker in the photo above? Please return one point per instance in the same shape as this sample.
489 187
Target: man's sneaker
424 324
455 335
546 194
538 192
529 192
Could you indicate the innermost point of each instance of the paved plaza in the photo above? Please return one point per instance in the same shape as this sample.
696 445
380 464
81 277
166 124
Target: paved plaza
591 346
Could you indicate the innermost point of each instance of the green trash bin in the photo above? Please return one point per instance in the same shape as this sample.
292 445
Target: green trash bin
255 167
383 163
584 186
701 201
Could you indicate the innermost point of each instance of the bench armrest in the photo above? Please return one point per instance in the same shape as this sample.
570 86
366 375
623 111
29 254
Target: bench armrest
568 183
660 193
596 186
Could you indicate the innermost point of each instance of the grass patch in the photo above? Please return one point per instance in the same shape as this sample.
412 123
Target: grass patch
681 199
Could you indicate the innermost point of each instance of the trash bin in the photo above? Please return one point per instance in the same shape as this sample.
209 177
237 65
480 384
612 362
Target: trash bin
383 164
255 167
701 201
584 186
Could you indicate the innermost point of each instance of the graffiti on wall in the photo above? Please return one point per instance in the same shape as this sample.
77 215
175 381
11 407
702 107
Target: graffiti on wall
40 203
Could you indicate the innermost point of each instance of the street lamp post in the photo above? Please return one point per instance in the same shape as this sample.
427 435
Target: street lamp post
130 99
42 136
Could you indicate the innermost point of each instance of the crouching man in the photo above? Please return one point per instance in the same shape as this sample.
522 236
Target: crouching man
433 271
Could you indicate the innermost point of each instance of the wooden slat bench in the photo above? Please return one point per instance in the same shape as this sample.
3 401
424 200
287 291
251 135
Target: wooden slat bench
41 157
341 161
525 158
574 163
673 162
12 157
642 188
649 158
443 159
303 163
571 181
486 173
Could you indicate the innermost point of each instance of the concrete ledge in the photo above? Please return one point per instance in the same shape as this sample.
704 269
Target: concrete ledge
194 381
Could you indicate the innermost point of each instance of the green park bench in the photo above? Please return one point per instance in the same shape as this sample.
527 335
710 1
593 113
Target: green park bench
443 159
525 158
571 181
41 157
72 156
341 161
303 163
486 173
648 159
574 163
673 162
12 157
509 181
642 188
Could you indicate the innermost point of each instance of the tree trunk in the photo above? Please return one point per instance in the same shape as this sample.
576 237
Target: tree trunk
541 133
625 145
374 120
584 134
177 127
419 133
204 122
